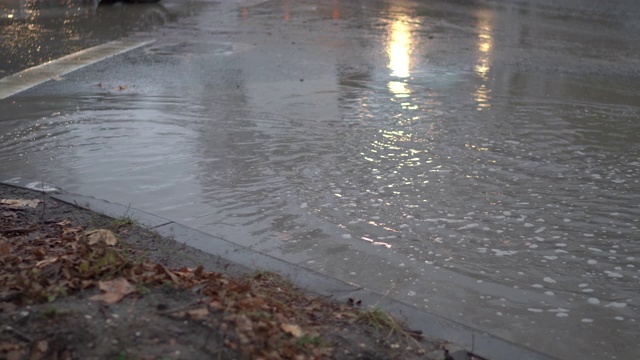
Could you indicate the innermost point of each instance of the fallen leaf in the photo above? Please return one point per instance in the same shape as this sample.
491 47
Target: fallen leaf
39 350
5 247
15 355
123 87
292 329
115 290
64 222
19 203
101 235
7 346
10 214
46 262
198 314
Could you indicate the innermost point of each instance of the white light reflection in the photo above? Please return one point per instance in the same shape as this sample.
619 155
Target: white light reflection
483 65
387 245
399 50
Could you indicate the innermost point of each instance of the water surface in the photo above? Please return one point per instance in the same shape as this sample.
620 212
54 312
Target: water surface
478 160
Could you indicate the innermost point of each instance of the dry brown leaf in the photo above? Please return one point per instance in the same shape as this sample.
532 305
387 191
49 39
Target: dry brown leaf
46 262
40 350
198 314
122 87
216 305
5 247
64 222
292 329
10 214
15 355
7 346
101 235
115 290
20 203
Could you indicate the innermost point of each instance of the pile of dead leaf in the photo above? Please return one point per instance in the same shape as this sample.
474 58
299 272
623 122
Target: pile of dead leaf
258 316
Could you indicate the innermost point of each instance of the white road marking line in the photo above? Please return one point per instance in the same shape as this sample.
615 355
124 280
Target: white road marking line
37 75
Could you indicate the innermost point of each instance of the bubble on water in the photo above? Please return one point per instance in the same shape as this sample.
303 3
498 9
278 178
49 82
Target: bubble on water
587 320
549 280
587 235
613 274
538 238
549 293
528 225
507 213
533 246
561 244
469 226
593 301
303 205
538 286
587 290
499 313
411 293
594 249
550 257
482 250
562 314
558 310
534 310
583 285
616 305
503 252
619 318
539 230
592 262
567 220
346 236
560 251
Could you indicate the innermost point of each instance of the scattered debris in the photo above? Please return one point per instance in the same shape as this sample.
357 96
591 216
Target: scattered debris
140 309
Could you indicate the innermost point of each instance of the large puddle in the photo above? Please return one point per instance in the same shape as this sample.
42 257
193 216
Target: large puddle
478 161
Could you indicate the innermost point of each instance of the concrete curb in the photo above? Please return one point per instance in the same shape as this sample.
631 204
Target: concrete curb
477 342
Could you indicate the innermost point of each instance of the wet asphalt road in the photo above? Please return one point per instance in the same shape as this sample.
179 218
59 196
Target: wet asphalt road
479 159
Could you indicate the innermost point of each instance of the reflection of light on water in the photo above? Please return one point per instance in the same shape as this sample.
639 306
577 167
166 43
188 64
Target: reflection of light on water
335 13
486 42
387 245
482 95
482 68
399 88
399 49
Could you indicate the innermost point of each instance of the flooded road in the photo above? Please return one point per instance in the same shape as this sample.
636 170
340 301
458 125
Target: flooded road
33 32
480 160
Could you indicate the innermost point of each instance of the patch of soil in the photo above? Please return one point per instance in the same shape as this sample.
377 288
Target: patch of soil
77 285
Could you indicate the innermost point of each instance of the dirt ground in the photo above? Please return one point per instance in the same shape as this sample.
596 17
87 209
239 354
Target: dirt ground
77 285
